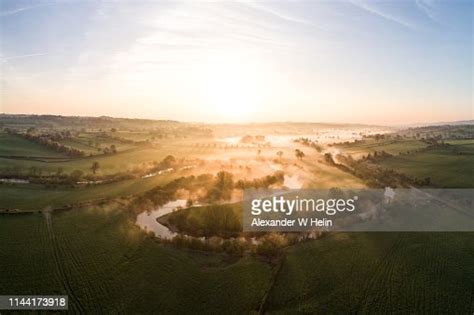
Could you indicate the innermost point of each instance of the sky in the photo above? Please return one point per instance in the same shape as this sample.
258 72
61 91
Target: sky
379 62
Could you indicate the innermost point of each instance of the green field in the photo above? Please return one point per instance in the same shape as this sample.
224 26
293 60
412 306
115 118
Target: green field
445 168
106 264
110 164
466 142
133 135
91 139
389 146
448 166
94 253
12 145
37 197
378 273
128 158
80 145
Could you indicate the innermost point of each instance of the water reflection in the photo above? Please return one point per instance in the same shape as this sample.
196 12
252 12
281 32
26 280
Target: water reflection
147 219
14 181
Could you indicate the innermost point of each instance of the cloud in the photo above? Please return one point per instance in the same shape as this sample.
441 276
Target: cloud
196 31
278 14
5 59
382 13
281 15
428 8
21 9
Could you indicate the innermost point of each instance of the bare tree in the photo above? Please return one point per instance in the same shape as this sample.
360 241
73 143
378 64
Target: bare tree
95 166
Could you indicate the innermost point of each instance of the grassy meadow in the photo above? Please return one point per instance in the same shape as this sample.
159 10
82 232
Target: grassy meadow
389 146
95 252
453 169
98 257
448 166
377 273
16 146
37 197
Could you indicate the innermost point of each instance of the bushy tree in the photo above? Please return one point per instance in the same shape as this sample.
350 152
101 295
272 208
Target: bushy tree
222 188
299 154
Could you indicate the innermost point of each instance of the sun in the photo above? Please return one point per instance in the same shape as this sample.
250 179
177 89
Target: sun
232 88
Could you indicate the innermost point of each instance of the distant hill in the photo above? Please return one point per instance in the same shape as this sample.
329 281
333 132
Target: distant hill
451 123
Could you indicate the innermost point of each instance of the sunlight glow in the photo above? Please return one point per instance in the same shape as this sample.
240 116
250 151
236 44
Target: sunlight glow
232 87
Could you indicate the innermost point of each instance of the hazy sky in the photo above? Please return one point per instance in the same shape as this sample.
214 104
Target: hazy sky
337 61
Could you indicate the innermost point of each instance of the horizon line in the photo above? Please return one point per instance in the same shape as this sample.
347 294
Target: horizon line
468 121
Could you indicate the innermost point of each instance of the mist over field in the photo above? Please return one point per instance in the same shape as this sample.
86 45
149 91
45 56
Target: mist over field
156 157
124 213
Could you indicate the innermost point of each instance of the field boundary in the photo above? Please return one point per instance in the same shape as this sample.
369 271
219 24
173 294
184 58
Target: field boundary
276 272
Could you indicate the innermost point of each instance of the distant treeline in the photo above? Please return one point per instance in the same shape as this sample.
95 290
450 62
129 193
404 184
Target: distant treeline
165 128
463 131
263 182
309 143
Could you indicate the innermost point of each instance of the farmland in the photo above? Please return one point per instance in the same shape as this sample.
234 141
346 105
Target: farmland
449 165
31 197
83 236
98 256
378 273
101 259
453 169
389 146
236 157
17 146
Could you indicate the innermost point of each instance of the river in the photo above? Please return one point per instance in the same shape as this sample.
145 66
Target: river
147 220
